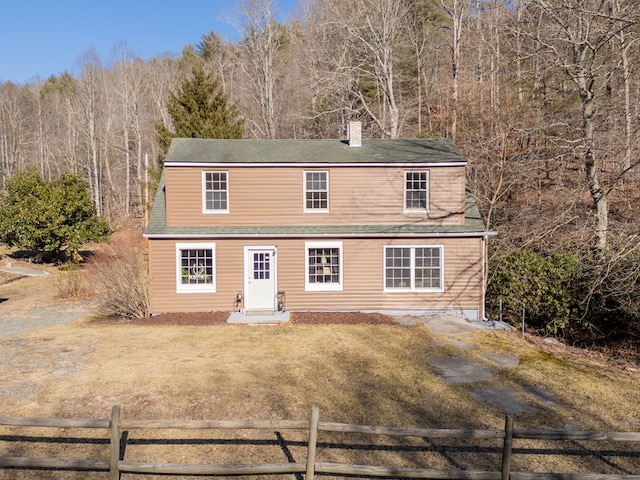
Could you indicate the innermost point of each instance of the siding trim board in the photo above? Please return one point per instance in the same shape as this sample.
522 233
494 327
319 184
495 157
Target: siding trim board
168 236
249 164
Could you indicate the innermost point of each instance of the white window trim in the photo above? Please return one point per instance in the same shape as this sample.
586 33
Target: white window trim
323 287
304 192
412 288
404 195
198 288
204 193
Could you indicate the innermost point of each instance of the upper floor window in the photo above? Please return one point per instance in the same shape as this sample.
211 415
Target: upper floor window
416 190
413 268
324 266
195 264
316 191
215 192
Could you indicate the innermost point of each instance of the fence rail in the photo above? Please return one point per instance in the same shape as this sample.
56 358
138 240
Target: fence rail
116 465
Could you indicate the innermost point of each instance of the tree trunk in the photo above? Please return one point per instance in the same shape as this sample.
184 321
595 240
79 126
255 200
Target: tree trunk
454 10
592 167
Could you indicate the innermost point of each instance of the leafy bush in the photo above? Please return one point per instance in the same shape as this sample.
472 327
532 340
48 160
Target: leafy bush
614 290
47 216
551 287
118 274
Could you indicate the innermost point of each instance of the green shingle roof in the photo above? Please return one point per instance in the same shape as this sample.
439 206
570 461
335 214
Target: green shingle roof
197 150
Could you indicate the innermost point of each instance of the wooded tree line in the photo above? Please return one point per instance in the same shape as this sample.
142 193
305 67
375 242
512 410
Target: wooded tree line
542 96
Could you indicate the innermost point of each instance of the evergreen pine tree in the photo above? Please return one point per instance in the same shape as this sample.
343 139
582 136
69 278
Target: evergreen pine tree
199 109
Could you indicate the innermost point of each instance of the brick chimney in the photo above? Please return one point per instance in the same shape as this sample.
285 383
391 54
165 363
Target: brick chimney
354 133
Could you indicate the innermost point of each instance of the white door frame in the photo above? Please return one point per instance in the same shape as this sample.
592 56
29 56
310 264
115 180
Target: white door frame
251 301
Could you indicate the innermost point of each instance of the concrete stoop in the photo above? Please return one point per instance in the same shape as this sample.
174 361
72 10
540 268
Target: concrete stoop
274 318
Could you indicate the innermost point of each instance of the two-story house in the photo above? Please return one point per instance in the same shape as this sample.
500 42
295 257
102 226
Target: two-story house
316 225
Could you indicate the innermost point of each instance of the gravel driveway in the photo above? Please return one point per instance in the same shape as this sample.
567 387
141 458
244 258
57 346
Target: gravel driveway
19 322
29 300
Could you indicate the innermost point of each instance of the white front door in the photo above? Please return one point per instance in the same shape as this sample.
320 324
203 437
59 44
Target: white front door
260 278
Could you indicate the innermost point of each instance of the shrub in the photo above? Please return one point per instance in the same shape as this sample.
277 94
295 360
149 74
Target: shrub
56 216
71 282
614 309
118 272
550 286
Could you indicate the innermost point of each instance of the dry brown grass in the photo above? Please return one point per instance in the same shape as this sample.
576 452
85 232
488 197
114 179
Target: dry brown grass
363 374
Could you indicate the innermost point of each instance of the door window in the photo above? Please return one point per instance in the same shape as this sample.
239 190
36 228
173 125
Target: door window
261 265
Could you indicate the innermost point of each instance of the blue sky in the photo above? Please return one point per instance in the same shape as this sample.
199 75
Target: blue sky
40 38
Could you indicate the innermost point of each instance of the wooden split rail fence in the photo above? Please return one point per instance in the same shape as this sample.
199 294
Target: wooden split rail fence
115 465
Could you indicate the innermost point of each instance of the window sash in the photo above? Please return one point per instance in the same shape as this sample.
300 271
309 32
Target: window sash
261 265
316 191
195 267
416 190
413 268
323 266
215 186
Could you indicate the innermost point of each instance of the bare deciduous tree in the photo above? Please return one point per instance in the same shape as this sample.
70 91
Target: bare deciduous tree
455 10
89 111
370 34
579 39
263 38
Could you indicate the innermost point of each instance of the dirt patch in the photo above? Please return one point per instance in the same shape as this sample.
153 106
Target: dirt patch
564 351
185 319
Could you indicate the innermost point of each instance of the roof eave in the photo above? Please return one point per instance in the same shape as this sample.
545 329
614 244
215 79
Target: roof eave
167 236
316 164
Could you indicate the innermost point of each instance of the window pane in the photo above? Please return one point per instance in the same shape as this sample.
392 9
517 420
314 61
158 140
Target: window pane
261 266
324 265
427 269
316 190
416 190
398 268
196 267
216 191
413 267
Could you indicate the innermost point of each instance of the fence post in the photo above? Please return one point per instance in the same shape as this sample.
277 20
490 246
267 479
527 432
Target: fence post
114 471
313 440
507 447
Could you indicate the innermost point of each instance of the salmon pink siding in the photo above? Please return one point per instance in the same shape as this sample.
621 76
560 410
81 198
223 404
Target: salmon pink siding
362 282
275 196
330 254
